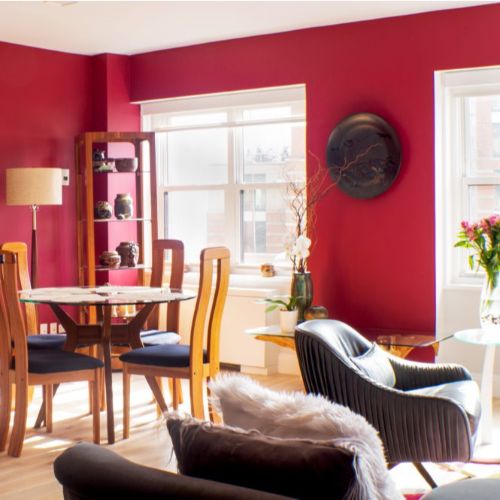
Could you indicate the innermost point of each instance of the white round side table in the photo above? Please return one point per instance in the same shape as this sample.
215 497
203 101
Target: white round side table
489 341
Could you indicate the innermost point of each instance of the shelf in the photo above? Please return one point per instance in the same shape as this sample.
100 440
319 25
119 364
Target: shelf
114 173
121 268
114 219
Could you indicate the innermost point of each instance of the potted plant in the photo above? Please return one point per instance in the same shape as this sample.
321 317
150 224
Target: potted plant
287 309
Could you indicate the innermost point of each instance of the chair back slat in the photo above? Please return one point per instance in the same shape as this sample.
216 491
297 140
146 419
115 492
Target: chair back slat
14 334
166 317
220 294
21 250
5 340
208 258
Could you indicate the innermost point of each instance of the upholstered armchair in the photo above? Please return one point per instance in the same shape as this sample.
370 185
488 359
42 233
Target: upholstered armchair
424 412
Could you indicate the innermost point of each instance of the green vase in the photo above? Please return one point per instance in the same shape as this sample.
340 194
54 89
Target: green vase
302 288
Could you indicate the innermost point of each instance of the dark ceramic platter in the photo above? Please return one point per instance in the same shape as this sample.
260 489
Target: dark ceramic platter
363 155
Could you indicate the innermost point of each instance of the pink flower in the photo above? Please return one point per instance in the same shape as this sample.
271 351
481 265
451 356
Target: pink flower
495 219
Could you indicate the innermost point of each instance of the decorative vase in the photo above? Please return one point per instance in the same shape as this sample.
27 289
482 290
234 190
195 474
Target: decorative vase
302 288
111 259
103 210
288 320
489 309
124 208
129 253
316 312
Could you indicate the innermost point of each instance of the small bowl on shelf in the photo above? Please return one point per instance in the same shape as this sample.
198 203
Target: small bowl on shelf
126 164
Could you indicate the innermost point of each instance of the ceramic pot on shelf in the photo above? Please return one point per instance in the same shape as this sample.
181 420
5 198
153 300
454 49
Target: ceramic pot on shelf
111 259
124 207
126 164
103 210
129 253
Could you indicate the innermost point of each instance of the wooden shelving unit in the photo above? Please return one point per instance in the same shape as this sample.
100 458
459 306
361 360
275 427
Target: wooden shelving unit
98 235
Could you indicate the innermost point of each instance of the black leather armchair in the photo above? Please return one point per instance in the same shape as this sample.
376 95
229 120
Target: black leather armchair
424 412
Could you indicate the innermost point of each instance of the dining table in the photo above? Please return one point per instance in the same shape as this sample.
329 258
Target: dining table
105 332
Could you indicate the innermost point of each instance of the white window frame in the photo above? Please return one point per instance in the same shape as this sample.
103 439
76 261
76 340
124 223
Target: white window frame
224 102
452 181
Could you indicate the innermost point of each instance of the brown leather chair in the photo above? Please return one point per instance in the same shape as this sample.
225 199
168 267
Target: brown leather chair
424 412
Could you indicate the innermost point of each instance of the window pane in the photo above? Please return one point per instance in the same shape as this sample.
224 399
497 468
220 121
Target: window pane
266 223
197 157
483 201
163 121
482 135
196 218
267 113
273 152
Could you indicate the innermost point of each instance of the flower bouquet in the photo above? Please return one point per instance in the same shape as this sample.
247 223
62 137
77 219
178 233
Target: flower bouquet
483 238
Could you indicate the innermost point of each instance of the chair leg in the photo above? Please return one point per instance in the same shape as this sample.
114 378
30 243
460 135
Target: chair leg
95 406
48 392
126 401
5 410
175 391
425 474
159 380
196 391
214 416
20 417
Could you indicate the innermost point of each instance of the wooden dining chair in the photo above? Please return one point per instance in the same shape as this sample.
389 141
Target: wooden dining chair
191 361
163 322
30 313
22 367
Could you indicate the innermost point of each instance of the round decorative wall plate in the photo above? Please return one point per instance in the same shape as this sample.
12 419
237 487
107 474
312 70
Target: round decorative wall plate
363 155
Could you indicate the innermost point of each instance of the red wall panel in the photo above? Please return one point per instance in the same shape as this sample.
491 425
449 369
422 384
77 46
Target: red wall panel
373 260
44 102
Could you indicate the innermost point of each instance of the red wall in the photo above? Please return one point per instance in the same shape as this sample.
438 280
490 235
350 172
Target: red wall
373 260
45 101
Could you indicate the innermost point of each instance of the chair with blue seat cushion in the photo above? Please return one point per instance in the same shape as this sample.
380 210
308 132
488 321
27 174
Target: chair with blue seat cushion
424 412
191 362
22 367
35 340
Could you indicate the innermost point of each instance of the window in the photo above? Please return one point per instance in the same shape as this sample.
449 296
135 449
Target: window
467 160
223 163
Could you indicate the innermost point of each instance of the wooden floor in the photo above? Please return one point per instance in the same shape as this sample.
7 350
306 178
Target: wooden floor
30 476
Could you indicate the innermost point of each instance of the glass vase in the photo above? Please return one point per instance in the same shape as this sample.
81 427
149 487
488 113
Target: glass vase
302 288
489 309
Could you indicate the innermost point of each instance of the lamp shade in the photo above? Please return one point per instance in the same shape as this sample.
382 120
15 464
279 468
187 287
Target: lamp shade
34 186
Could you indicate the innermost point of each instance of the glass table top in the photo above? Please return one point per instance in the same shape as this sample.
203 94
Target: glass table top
478 336
103 295
273 330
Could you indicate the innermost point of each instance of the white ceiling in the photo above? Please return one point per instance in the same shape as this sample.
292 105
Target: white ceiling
94 27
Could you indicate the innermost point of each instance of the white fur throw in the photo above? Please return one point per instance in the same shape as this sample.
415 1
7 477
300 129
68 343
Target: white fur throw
246 404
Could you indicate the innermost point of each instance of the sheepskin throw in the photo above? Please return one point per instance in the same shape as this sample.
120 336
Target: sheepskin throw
246 404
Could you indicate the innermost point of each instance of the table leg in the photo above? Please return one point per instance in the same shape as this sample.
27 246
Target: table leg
485 436
108 381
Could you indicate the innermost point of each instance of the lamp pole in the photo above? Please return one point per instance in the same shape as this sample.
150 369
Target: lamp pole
34 248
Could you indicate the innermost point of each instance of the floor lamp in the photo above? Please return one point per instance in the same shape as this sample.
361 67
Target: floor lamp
34 187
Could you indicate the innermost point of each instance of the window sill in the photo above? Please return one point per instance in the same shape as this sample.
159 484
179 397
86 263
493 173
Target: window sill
248 282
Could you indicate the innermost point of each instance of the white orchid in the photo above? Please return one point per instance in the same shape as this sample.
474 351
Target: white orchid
301 247
298 251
